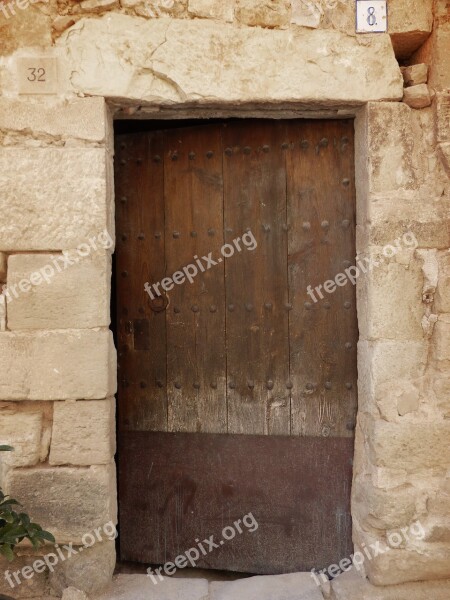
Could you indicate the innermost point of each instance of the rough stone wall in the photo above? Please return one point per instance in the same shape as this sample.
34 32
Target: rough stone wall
435 51
43 21
58 375
403 353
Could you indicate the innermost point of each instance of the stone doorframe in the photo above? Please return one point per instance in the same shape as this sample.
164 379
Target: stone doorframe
390 509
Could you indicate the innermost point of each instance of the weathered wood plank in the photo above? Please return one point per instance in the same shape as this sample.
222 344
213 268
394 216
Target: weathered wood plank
256 281
141 332
321 239
196 313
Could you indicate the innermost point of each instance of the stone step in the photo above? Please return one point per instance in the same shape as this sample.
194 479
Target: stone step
351 586
141 587
295 586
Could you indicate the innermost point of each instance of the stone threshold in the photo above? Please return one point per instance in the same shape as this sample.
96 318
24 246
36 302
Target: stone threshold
294 586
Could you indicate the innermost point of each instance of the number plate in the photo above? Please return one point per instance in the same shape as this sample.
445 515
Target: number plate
37 75
371 16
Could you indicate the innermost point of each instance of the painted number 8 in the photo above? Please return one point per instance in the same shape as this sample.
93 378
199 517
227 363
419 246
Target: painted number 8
372 18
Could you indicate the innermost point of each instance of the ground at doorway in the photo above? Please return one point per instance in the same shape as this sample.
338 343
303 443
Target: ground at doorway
350 586
296 586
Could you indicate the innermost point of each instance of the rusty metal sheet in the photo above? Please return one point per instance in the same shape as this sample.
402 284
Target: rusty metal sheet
188 487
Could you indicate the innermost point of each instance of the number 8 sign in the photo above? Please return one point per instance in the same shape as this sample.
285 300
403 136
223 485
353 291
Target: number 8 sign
371 16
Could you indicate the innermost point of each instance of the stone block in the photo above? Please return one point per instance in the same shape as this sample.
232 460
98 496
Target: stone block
387 369
442 298
83 432
80 118
415 74
75 298
306 14
36 586
141 587
293 586
390 147
2 313
442 112
69 502
408 402
444 152
89 572
435 53
395 399
61 23
383 509
72 593
263 13
223 10
52 198
409 27
351 586
443 117
394 213
391 286
388 479
420 201
417 96
430 270
98 6
441 341
59 365
441 388
22 430
439 503
341 15
159 8
21 28
414 447
109 58
401 566
3 266
439 533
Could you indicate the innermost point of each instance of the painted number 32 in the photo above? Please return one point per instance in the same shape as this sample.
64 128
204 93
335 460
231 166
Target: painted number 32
372 17
36 74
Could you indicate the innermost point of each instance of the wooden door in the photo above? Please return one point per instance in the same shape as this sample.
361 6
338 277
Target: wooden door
237 388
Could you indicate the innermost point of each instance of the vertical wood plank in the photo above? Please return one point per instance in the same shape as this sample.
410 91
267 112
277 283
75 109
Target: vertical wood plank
323 333
196 312
141 331
256 281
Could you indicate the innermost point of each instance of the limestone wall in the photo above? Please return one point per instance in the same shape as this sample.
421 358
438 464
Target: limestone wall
403 352
58 367
410 24
274 58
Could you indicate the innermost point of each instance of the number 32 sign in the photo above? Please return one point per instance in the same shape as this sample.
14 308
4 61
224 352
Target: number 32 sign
37 74
371 16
